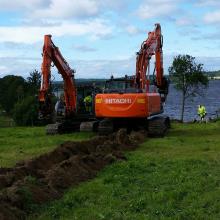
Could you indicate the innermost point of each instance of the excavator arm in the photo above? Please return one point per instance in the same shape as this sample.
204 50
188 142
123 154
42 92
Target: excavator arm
51 54
151 46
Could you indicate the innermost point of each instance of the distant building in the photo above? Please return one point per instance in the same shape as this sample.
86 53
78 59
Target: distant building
214 77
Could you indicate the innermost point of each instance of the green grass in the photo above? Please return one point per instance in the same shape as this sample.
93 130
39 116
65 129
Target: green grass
176 177
20 143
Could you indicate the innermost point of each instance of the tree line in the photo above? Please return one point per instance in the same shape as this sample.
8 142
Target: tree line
18 97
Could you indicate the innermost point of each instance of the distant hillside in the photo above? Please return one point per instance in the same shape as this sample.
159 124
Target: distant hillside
80 82
213 73
100 82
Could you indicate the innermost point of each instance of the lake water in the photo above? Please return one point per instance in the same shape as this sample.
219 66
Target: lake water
211 100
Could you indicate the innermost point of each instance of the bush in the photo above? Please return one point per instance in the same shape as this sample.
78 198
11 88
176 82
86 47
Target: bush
26 111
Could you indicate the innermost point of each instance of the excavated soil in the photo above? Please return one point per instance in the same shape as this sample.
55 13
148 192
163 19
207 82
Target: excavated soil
46 177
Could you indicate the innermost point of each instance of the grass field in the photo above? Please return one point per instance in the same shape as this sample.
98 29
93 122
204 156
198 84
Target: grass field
20 143
176 177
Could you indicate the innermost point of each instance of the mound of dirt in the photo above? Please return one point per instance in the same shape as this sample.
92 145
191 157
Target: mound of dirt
46 177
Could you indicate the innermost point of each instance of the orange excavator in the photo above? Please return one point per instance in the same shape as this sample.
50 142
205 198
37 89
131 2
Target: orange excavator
131 102
71 109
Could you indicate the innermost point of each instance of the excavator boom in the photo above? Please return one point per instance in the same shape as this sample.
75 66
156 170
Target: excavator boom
151 46
70 112
51 54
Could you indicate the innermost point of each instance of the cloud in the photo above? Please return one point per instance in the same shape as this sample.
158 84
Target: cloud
133 30
96 28
69 8
115 4
20 66
40 22
210 63
208 3
157 8
84 48
185 21
103 68
91 68
210 36
18 46
78 9
96 68
84 68
3 70
22 4
212 17
62 9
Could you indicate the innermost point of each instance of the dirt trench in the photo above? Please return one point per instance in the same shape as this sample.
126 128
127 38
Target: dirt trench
46 177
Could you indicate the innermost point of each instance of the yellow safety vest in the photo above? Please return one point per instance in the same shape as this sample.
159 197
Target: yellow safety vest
88 99
201 111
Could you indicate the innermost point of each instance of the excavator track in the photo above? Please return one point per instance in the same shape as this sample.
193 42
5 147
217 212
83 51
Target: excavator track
105 127
52 129
62 127
158 126
89 126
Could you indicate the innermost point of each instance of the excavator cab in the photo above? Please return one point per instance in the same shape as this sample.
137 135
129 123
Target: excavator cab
60 108
66 123
120 85
82 92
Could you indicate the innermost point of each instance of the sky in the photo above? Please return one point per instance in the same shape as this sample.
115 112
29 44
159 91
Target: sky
99 38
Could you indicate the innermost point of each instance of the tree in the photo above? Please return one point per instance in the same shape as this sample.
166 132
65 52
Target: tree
34 81
18 97
12 88
188 77
26 109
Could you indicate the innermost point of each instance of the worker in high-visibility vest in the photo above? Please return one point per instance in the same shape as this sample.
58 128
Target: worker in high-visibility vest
201 112
88 103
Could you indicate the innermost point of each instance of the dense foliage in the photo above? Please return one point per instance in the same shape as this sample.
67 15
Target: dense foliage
12 90
188 77
18 97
